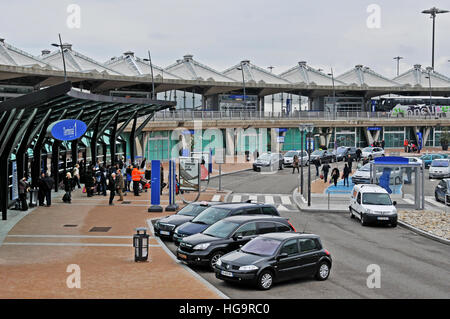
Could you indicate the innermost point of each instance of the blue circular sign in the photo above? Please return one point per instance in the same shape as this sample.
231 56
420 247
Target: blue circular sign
68 130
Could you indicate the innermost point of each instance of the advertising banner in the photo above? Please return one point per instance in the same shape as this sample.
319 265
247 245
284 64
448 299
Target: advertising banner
15 185
189 173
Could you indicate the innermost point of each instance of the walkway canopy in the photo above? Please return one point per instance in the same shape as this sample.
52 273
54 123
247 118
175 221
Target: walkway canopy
24 122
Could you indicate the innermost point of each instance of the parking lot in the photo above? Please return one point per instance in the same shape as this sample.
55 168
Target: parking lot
411 266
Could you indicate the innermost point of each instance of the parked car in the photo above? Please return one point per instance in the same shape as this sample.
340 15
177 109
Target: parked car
342 152
428 158
439 168
270 160
413 159
213 214
372 204
362 175
275 257
442 191
324 156
165 227
227 235
289 158
372 152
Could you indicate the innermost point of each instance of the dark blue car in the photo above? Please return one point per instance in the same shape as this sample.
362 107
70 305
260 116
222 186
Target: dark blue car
213 214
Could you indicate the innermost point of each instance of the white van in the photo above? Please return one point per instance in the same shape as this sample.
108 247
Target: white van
372 204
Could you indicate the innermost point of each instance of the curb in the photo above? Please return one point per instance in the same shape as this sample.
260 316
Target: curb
311 210
189 270
423 233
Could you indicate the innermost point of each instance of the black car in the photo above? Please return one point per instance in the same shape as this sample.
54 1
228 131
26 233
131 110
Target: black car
218 212
442 191
342 152
227 235
164 227
324 156
275 257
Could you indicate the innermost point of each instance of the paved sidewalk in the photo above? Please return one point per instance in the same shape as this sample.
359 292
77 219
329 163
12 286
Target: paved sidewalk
40 244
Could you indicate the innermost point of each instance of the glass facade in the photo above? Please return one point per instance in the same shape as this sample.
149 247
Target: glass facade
394 136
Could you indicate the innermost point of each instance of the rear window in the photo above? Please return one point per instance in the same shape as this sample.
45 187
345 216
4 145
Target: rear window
283 228
270 211
308 244
267 227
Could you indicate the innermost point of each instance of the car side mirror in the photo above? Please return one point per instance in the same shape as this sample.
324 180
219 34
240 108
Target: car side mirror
237 237
394 203
282 255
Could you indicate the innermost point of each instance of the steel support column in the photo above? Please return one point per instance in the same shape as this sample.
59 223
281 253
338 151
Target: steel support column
55 162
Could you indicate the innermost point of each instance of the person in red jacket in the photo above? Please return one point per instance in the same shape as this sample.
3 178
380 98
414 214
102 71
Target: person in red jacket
136 178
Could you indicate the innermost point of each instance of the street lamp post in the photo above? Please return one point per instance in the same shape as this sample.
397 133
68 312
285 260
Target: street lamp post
243 80
334 94
60 45
433 12
309 127
302 132
398 58
429 69
149 60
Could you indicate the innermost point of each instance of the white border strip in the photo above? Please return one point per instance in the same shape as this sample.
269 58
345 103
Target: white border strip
193 273
73 244
67 236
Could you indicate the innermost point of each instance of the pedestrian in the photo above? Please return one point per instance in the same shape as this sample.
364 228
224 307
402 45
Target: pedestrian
68 187
89 183
42 189
76 175
120 184
335 175
136 177
382 143
295 164
128 172
345 174
49 182
325 168
350 161
162 178
358 154
405 144
24 188
317 165
112 185
103 179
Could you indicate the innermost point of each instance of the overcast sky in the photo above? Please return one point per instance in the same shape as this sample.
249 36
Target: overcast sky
325 33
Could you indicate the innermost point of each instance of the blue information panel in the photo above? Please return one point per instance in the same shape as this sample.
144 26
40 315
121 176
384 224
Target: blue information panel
156 182
67 130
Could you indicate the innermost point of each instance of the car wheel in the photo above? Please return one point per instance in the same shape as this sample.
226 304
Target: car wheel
436 196
351 214
213 260
265 280
363 220
323 271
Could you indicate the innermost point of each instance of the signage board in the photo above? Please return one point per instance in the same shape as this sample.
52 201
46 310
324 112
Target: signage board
15 185
189 173
280 139
219 156
67 130
374 128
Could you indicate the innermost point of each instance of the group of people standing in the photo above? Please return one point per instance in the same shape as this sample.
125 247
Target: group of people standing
335 173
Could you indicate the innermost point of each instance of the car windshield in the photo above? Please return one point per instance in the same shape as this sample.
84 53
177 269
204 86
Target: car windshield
221 229
425 157
261 246
317 152
368 149
341 150
365 168
291 154
211 215
376 199
192 210
264 157
439 163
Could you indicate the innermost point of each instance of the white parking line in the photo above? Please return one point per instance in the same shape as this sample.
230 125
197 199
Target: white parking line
216 198
269 200
253 198
286 200
236 199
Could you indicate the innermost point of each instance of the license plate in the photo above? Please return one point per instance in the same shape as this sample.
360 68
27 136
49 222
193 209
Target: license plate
163 232
226 273
383 218
182 256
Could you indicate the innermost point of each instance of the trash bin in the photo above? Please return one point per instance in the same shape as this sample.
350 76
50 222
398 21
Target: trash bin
33 197
140 244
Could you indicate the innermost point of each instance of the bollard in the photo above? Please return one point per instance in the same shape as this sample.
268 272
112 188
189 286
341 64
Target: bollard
172 207
140 244
155 187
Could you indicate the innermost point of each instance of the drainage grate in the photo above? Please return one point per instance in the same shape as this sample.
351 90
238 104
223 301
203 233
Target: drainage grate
69 225
126 202
100 229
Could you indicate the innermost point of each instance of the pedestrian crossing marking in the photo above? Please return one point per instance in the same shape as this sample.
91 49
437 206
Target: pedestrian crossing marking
281 208
253 198
285 200
269 200
236 199
216 198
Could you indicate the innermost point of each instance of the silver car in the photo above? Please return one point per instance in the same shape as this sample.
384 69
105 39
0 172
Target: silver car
289 158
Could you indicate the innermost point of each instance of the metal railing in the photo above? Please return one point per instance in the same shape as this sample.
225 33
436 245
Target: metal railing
189 115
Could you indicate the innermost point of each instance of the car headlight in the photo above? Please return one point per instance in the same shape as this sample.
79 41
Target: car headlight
247 268
219 262
176 231
369 211
201 246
